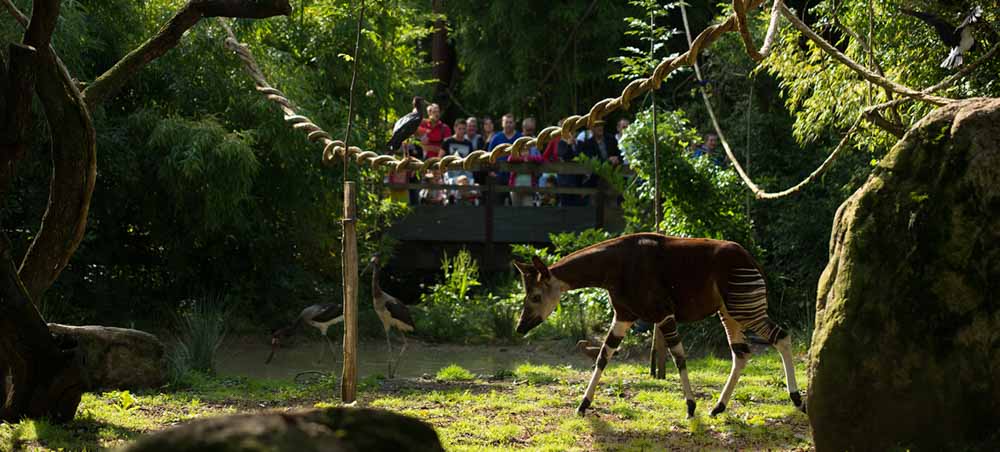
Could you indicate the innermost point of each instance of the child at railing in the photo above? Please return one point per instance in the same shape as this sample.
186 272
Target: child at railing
548 180
464 197
433 195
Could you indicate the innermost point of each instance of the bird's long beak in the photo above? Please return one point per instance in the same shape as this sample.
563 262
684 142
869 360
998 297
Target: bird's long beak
367 267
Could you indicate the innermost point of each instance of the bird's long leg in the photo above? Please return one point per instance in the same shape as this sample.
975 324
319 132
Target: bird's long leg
333 350
401 350
388 358
322 353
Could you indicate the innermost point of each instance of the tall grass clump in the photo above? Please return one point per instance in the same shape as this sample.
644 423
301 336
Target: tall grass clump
450 311
457 308
200 327
454 372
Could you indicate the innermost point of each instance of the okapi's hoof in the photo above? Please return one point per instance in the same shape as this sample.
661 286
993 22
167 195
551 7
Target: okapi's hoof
690 404
582 409
797 400
718 409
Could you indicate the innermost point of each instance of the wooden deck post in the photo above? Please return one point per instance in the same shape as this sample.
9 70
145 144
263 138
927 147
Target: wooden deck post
488 199
599 203
349 378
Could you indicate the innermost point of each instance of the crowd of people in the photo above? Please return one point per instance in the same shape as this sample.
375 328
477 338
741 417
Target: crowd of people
434 138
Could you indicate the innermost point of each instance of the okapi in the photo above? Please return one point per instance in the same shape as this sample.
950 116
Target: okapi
664 280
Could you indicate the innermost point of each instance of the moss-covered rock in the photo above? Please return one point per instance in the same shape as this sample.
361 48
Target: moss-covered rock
906 350
326 430
117 358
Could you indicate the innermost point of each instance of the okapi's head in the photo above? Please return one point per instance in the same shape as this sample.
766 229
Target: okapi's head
541 294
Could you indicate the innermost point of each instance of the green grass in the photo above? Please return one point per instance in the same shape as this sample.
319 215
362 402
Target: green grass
454 372
531 408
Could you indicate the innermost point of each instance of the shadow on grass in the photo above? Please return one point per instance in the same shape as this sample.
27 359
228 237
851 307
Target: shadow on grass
735 433
78 434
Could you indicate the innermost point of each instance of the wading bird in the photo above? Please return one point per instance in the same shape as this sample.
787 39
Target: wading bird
319 316
664 280
393 314
959 38
407 125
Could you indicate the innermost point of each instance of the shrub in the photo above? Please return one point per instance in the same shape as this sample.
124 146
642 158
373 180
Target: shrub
454 372
200 330
451 311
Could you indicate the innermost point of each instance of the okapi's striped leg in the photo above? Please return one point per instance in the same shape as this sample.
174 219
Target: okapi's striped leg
784 347
741 353
669 328
747 302
611 343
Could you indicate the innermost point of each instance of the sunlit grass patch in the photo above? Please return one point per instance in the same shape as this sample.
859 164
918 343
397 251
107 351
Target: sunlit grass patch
533 409
455 372
542 374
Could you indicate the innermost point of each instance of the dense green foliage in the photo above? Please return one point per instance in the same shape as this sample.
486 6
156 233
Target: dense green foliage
542 59
459 307
202 188
700 199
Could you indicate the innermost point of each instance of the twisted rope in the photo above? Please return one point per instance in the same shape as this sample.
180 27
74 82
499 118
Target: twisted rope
335 148
757 191
922 95
737 21
740 10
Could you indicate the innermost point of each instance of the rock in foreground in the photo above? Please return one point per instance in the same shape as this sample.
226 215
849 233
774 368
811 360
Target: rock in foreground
327 430
906 351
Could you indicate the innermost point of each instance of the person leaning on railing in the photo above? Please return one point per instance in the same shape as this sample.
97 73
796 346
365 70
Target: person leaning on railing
432 132
525 199
566 149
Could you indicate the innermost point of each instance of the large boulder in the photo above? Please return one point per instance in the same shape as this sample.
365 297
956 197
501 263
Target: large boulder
326 430
117 358
906 351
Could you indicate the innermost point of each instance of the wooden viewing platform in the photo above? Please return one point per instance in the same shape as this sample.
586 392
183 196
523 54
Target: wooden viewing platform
488 230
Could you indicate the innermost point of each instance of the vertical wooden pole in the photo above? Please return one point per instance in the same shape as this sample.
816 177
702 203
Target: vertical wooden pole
489 197
349 378
658 351
600 199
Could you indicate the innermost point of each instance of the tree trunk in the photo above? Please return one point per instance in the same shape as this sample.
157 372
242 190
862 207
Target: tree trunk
440 55
40 374
45 378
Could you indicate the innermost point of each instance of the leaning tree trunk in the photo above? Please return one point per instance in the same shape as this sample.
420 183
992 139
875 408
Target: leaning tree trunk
40 374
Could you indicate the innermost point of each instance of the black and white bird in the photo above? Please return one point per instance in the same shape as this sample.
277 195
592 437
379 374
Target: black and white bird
407 125
959 39
320 316
393 314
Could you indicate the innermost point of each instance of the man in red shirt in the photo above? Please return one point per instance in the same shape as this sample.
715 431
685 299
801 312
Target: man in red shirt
432 132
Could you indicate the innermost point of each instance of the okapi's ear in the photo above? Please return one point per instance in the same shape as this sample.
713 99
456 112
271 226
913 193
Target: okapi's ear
543 271
523 268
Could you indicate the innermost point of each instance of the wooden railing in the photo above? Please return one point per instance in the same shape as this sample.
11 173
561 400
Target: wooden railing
489 223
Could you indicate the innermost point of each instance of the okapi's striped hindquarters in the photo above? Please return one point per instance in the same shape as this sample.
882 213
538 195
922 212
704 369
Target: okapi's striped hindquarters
746 301
744 308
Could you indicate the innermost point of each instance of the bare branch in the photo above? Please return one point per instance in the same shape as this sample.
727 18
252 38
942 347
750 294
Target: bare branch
170 35
861 70
876 118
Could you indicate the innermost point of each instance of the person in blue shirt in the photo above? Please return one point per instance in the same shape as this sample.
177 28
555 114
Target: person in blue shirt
507 135
710 149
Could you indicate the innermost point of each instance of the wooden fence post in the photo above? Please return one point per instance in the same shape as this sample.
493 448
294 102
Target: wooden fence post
349 378
488 198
